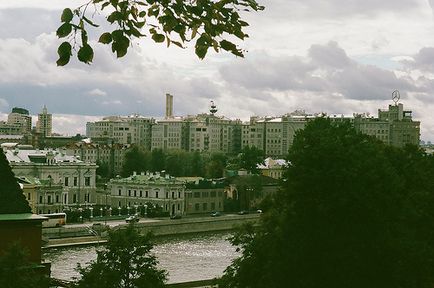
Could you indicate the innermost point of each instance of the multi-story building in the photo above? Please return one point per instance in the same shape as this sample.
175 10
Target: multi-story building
54 168
169 134
140 189
19 122
203 195
112 155
273 168
132 129
44 125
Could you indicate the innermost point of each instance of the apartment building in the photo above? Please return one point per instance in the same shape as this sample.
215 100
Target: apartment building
134 129
51 168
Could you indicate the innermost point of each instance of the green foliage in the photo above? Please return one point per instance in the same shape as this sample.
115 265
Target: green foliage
136 160
215 165
249 189
12 199
17 272
353 212
210 22
126 262
250 157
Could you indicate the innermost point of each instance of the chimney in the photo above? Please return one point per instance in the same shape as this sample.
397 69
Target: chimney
169 105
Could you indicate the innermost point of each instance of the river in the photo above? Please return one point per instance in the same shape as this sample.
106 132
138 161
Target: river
186 258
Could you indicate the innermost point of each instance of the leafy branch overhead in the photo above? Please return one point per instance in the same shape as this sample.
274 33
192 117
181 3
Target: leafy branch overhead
209 22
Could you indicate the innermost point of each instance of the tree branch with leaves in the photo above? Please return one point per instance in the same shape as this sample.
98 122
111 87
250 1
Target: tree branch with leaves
210 23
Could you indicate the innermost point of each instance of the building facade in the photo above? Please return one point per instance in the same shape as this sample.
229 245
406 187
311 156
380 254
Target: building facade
61 180
141 189
44 125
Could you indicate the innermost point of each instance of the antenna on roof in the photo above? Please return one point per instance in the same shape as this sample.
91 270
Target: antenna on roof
396 96
213 108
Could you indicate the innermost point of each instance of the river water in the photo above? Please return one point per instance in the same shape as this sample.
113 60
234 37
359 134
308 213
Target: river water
186 258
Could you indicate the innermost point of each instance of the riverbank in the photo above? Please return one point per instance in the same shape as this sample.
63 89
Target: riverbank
92 235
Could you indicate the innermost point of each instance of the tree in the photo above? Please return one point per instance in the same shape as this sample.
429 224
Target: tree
12 199
16 271
215 165
178 22
126 262
158 161
352 212
136 160
250 157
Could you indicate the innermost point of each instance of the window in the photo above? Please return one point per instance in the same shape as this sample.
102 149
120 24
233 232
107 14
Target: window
57 198
86 181
213 194
179 194
204 206
74 198
66 181
196 194
146 194
156 194
141 193
135 193
41 199
49 199
28 196
129 193
196 207
75 181
119 192
213 206
173 195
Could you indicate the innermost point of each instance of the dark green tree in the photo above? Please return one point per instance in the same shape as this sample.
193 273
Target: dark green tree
250 157
103 169
158 160
136 160
16 271
12 199
126 262
211 22
215 165
197 164
352 212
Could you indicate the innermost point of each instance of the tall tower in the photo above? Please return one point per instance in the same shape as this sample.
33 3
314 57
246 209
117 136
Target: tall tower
213 108
44 123
169 105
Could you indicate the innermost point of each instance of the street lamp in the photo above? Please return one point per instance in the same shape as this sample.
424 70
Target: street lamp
100 210
119 209
135 208
146 210
91 212
128 208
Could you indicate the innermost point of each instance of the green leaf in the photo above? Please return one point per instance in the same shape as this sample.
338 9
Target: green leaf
120 46
64 52
201 51
228 46
66 15
64 30
158 37
85 54
105 38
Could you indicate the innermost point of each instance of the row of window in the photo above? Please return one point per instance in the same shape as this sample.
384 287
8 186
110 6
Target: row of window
75 181
146 194
212 206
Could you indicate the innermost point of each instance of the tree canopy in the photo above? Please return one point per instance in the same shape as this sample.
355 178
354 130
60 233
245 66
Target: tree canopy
352 212
212 23
126 262
12 199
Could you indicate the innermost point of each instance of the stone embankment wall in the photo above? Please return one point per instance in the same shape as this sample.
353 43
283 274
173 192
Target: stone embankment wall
68 236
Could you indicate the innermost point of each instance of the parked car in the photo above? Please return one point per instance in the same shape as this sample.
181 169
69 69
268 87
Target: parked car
132 218
243 212
216 214
259 211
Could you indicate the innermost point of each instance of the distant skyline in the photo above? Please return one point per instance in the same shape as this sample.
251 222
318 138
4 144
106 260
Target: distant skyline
331 56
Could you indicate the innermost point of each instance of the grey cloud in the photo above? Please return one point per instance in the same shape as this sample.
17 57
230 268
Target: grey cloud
328 69
423 60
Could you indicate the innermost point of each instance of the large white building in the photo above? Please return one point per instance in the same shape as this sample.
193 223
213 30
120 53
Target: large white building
132 129
54 168
141 189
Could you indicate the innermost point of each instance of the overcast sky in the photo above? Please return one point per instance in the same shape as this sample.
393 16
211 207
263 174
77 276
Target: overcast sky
331 56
